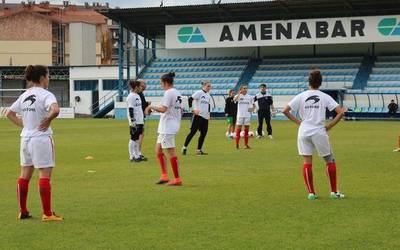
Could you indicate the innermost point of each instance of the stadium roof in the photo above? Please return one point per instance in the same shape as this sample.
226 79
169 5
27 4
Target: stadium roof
150 22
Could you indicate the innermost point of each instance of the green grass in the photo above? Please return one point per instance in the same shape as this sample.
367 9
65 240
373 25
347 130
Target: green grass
231 199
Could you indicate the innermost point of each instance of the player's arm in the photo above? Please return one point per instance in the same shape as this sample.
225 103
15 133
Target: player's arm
131 117
236 98
288 114
54 111
339 115
159 109
14 118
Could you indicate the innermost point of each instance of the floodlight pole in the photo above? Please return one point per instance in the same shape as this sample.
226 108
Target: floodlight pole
153 48
128 55
145 51
120 62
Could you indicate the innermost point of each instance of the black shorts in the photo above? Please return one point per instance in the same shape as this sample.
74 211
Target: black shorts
136 131
199 123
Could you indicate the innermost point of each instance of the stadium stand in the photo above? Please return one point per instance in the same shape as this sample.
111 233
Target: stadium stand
288 76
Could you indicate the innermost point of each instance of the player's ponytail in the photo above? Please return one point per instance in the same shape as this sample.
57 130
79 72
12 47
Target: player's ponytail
34 73
315 79
168 78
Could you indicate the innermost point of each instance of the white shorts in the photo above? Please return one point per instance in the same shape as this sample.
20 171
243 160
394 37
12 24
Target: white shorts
243 121
319 141
166 140
37 151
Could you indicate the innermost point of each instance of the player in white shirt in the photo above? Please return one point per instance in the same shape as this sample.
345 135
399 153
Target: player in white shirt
136 121
311 106
170 122
37 107
245 106
201 101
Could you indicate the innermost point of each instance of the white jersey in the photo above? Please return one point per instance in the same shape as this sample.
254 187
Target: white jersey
133 101
245 102
201 101
170 121
34 105
312 105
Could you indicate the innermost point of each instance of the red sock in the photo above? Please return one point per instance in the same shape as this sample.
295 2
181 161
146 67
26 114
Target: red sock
331 171
163 165
45 195
174 165
308 177
22 194
237 136
246 136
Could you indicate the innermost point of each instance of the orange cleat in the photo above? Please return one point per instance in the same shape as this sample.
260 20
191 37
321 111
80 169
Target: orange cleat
175 182
52 217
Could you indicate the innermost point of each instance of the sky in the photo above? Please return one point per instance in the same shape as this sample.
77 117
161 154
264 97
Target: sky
140 3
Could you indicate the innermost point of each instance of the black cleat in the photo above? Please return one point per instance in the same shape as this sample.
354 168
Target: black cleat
247 147
136 160
184 150
142 158
24 216
200 152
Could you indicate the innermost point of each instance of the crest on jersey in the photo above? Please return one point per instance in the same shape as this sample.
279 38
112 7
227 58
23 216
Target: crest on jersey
314 98
31 98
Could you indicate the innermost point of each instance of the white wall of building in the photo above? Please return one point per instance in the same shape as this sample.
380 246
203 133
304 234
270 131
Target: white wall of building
92 73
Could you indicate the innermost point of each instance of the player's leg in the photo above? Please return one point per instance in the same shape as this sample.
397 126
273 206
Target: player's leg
23 180
44 159
161 160
269 127
260 124
132 145
246 132
322 144
170 146
22 191
306 148
203 133
136 137
238 130
193 130
141 138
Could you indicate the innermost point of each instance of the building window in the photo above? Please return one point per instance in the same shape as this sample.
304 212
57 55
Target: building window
85 85
112 85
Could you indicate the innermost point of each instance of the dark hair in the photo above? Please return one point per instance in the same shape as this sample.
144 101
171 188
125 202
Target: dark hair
134 84
168 78
34 72
315 79
262 85
203 83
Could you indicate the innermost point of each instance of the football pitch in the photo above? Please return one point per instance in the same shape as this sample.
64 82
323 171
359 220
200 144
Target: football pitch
246 199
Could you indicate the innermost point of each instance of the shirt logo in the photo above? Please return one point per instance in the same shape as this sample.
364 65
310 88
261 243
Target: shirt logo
314 98
31 98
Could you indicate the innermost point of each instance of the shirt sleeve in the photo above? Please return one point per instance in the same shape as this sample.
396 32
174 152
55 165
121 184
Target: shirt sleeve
16 106
294 104
196 95
331 104
49 100
166 100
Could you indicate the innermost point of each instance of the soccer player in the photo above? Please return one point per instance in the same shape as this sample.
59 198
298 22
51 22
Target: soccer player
37 107
311 105
168 127
201 115
265 106
245 107
230 113
136 120
145 104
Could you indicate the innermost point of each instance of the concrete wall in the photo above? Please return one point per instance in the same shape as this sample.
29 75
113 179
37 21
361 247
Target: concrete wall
82 44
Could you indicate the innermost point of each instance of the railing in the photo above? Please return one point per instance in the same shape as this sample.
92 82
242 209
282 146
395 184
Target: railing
9 96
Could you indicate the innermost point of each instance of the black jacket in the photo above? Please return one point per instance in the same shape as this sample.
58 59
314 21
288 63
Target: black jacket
230 107
264 102
393 107
143 99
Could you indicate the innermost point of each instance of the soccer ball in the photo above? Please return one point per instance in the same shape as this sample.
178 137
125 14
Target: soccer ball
251 134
